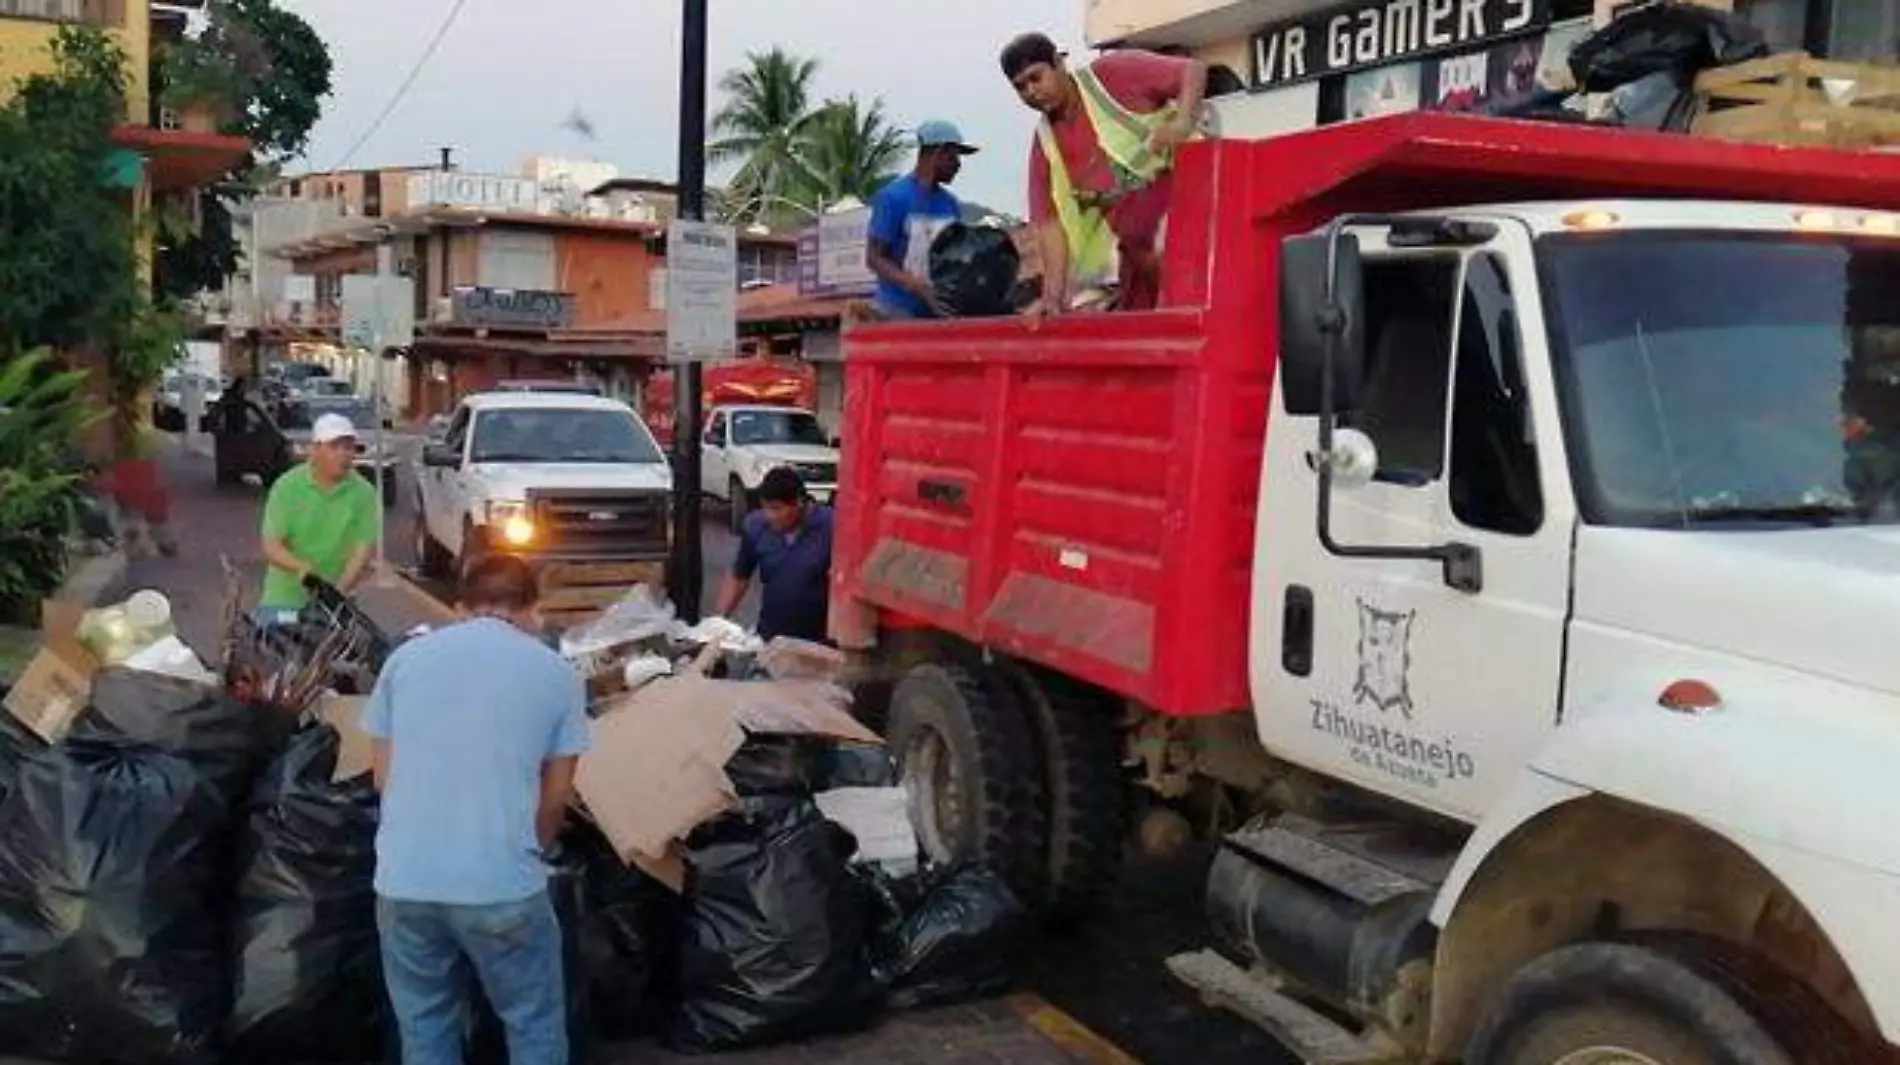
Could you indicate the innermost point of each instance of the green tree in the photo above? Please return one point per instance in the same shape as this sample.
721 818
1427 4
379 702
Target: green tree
67 276
266 72
761 126
848 148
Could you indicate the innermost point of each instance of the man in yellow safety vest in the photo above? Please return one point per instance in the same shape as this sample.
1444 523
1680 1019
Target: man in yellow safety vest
1101 167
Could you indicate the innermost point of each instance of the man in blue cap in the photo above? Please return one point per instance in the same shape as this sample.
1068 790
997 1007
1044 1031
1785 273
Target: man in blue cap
906 215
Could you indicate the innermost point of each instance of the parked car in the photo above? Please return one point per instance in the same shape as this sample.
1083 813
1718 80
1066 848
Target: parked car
743 443
168 405
250 440
549 477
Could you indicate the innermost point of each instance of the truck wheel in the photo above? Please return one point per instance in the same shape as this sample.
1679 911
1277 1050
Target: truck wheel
739 505
1081 775
1665 1000
966 753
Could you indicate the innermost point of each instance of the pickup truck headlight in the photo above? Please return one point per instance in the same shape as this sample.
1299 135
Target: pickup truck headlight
510 519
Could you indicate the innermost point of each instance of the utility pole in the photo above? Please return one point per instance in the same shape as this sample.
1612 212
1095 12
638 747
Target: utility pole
689 565
385 270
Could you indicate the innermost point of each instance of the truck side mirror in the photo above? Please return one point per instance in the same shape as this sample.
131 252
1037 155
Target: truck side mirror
1322 307
440 456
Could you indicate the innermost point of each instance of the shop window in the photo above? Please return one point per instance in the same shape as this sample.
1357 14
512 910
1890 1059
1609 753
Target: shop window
1408 365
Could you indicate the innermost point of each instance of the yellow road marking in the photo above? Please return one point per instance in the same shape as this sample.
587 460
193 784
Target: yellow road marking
1067 1032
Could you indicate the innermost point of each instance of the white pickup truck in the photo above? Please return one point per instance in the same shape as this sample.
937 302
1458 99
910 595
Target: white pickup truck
743 443
550 477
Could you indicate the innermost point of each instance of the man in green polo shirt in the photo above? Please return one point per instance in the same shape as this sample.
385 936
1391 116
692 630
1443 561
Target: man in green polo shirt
320 519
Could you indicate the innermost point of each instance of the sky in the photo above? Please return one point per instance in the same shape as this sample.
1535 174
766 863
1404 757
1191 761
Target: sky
509 75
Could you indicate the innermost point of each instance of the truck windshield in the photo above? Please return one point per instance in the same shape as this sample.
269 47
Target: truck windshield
776 427
1729 380
555 434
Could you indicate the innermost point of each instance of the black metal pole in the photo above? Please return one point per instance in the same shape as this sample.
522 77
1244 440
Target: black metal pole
689 565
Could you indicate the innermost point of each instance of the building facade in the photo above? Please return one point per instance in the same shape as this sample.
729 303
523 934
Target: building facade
1286 65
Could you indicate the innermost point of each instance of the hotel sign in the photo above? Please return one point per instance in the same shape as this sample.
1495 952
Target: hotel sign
1377 32
511 308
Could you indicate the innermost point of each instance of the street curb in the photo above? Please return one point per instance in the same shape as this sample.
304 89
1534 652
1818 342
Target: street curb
1072 1036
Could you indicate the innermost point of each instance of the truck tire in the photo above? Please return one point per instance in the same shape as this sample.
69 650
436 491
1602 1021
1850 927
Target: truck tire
431 559
1087 798
966 754
738 505
1668 999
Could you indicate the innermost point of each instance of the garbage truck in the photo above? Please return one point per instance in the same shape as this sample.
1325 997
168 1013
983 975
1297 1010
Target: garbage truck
1489 546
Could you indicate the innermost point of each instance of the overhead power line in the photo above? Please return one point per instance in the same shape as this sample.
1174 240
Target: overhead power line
408 82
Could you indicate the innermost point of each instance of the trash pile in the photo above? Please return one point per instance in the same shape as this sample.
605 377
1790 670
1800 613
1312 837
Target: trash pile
187 853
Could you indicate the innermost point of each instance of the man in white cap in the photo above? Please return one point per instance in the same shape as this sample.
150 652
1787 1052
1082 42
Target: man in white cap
320 520
906 215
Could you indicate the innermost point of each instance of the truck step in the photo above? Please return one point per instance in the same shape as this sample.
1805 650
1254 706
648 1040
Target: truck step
1317 1039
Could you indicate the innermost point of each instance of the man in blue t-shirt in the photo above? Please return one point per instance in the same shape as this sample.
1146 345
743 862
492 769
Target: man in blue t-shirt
906 215
787 546
477 729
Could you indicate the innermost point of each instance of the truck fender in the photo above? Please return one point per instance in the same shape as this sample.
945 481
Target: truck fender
1810 804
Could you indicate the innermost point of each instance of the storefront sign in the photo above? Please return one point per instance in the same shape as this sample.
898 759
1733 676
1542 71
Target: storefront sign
476 192
511 308
1379 32
831 255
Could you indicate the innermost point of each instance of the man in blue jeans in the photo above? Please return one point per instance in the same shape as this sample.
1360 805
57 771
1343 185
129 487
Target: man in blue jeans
477 729
906 215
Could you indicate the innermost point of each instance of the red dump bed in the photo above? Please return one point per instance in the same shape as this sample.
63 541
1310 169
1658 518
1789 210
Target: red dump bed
1084 495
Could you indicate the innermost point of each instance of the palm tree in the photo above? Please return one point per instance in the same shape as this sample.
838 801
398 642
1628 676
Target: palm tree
763 120
848 148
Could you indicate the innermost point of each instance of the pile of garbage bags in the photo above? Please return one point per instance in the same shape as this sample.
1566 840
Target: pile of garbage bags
184 881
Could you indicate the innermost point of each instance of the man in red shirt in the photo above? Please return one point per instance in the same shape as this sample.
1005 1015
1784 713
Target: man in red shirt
1114 125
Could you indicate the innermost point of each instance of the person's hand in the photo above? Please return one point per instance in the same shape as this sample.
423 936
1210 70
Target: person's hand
927 292
1171 134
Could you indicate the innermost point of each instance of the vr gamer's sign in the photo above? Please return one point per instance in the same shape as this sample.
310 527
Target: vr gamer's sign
1372 34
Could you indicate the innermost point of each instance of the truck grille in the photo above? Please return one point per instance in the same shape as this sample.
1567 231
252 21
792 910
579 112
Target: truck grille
588 523
815 472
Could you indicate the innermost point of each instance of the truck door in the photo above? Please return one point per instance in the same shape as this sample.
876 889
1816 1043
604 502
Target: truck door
441 486
714 469
1376 670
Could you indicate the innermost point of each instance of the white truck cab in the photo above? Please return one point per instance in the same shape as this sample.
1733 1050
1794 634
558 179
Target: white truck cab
552 477
744 442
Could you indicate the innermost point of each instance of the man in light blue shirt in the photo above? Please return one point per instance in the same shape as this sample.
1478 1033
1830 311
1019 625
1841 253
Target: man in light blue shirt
477 730
906 215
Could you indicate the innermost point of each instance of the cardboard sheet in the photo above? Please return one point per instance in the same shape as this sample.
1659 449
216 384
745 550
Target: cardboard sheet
53 690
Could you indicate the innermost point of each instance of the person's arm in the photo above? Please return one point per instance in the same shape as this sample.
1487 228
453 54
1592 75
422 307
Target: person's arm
1148 81
557 770
738 580
880 251
379 723
276 526
1052 244
1190 91
366 515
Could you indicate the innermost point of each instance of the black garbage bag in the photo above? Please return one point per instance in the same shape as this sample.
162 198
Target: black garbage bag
111 863
973 269
629 938
776 765
857 765
953 947
308 980
775 944
227 740
488 1039
1675 37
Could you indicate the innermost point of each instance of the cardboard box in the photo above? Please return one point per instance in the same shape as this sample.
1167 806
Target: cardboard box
656 768
53 690
355 754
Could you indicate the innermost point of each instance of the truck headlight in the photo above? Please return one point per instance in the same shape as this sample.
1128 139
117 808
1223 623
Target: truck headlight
510 518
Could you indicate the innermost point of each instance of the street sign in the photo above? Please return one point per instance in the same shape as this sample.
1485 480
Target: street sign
702 291
379 311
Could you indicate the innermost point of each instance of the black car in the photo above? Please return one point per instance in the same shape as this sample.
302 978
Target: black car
248 440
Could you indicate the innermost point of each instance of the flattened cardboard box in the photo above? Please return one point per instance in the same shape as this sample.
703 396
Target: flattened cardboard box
54 688
656 768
